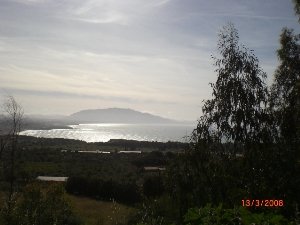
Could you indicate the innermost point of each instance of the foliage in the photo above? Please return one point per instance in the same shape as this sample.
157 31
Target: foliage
235 153
39 206
236 112
182 184
147 216
197 178
283 104
297 8
209 215
153 186
104 190
234 121
160 210
154 158
13 113
283 91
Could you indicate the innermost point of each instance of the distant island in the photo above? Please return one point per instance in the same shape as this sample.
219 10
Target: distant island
117 115
108 115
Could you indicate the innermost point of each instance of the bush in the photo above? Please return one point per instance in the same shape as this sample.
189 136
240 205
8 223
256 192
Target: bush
209 215
39 206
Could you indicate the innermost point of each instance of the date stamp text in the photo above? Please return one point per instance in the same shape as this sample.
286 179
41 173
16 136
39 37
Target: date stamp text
262 202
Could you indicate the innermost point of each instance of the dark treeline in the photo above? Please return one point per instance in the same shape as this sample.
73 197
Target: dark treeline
118 144
133 145
104 189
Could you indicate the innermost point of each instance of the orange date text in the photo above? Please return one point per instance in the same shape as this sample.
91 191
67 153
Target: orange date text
262 203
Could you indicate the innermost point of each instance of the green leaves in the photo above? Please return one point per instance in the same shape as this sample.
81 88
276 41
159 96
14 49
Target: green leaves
297 8
219 215
40 206
283 91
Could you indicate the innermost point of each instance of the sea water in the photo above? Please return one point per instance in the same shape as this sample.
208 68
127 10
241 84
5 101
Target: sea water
105 131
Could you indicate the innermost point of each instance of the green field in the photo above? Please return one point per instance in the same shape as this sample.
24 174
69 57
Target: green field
94 212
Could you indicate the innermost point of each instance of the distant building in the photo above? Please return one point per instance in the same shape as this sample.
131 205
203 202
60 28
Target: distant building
95 152
56 179
154 168
136 152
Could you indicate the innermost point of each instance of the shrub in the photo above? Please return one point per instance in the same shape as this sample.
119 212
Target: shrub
39 206
209 215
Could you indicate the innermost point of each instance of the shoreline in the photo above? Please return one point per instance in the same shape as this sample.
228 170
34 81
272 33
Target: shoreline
113 140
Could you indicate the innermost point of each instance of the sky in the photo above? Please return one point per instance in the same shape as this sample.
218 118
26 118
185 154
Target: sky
62 56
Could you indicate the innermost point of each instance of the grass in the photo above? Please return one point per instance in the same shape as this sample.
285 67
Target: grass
94 212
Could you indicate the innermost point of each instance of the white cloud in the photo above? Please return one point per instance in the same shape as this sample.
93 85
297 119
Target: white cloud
141 54
118 19
30 2
160 2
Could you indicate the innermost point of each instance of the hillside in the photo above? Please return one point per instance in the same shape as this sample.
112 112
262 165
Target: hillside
117 115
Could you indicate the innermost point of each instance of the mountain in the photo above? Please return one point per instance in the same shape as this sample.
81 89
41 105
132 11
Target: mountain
46 116
117 115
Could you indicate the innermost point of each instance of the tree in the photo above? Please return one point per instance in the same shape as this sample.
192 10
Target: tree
283 90
283 103
14 114
3 143
298 108
236 113
234 120
297 8
239 115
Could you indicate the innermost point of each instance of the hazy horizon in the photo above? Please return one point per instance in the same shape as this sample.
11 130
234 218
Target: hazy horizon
60 57
71 116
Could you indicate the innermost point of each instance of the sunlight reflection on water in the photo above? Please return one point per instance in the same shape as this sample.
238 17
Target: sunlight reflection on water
106 131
